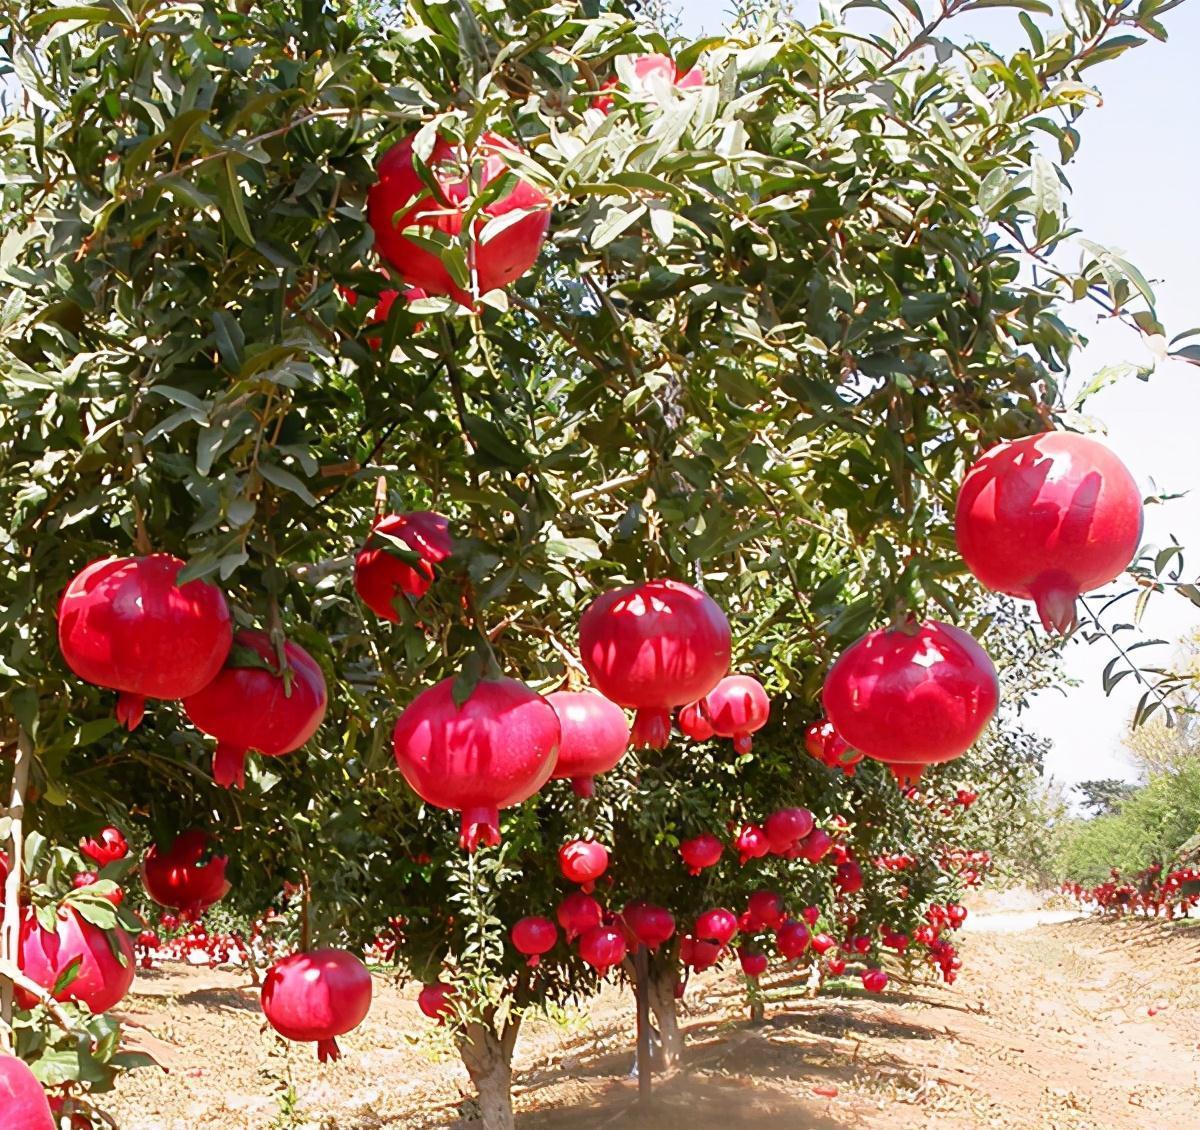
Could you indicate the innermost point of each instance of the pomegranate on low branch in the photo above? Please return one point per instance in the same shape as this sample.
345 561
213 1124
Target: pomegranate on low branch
583 862
182 878
23 1103
650 925
602 947
653 647
316 996
382 575
437 1001
534 936
595 736
102 959
494 751
737 707
254 705
124 623
1047 518
578 913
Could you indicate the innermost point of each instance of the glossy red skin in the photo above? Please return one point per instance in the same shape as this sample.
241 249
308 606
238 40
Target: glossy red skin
534 937
650 925
495 752
499 261
718 925
829 747
699 953
919 697
874 980
23 1103
811 915
248 708
316 996
693 724
700 852
124 624
181 879
602 947
583 862
1046 518
595 736
787 827
435 1001
737 707
792 939
815 846
751 843
836 965
849 878
653 647
578 913
106 848
102 979
381 578
766 910
822 943
754 965
646 69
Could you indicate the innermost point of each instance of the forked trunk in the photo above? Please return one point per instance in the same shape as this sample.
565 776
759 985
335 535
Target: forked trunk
663 978
488 1060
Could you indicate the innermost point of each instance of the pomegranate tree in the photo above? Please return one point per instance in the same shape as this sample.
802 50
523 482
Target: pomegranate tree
492 752
382 576
255 703
124 623
1046 518
653 647
316 996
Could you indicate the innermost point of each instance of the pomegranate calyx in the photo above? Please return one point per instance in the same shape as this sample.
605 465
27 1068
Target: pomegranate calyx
328 1051
131 708
1056 597
651 729
480 825
229 766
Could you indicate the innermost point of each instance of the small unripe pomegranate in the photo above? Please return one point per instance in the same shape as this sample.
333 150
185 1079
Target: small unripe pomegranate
583 862
700 852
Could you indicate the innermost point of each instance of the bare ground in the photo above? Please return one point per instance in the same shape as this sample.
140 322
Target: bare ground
1053 1024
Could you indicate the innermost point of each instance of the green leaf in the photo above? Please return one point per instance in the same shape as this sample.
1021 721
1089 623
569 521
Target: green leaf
285 480
231 342
233 206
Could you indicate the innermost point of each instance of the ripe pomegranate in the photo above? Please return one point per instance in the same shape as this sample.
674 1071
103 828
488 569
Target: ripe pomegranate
104 958
787 827
316 997
815 846
437 1001
578 913
583 862
751 843
123 623
1046 518
835 965
848 878
107 848
652 75
825 744
534 937
822 943
765 910
874 980
700 852
738 707
181 878
383 307
754 965
694 724
792 939
650 925
381 577
602 947
717 925
495 751
921 694
253 705
595 736
401 200
699 953
652 647
811 915
23 1103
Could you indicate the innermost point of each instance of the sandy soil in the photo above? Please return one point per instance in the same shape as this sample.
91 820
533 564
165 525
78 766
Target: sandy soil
1050 1026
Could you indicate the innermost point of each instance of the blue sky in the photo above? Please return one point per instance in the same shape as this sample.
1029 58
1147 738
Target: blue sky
1135 186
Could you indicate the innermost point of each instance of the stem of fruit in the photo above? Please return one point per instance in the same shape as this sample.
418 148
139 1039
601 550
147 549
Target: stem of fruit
10 940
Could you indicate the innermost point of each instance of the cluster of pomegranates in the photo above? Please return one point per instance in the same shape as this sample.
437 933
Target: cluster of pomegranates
1148 892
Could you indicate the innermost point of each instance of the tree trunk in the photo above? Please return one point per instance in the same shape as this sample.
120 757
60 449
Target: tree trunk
663 977
488 1060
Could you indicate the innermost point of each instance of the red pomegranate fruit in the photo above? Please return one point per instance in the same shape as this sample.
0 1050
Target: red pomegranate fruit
1046 518
400 200
835 965
437 1001
694 724
765 910
921 694
751 843
738 707
815 846
595 736
123 623
874 980
848 878
700 852
754 965
650 925
822 944
383 307
534 937
109 846
104 960
811 915
382 576
825 744
792 938
583 862
578 913
699 953
23 1103
653 647
787 827
493 752
717 925
254 705
182 878
652 74
602 947
317 996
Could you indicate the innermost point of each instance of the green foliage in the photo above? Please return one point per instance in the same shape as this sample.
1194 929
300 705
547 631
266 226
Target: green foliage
1105 797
